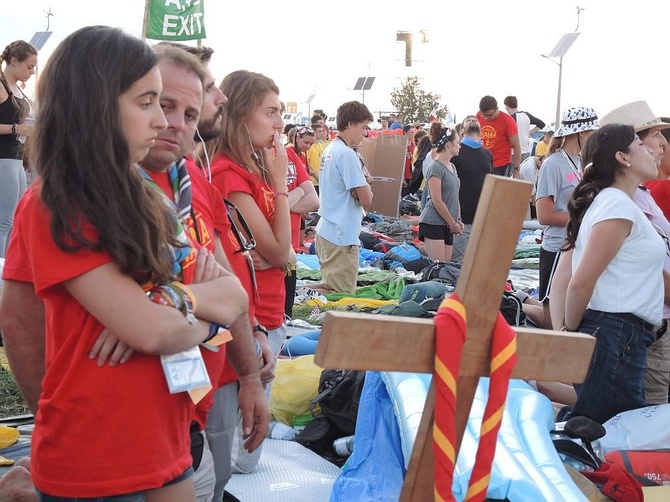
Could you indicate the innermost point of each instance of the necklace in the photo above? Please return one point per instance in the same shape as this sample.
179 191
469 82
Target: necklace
577 169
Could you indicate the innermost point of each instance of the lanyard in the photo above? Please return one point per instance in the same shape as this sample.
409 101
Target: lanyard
575 168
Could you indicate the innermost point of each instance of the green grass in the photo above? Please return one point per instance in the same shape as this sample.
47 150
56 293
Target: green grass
304 312
11 402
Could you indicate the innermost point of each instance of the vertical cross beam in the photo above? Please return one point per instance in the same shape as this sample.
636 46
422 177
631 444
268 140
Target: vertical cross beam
481 282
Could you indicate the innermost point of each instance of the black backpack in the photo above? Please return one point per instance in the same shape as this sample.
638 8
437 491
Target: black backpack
510 307
338 398
441 271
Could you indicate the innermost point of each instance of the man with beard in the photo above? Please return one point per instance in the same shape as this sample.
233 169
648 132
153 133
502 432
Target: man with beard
226 435
23 312
473 163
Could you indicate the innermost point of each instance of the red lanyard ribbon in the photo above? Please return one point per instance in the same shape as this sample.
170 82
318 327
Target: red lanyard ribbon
450 329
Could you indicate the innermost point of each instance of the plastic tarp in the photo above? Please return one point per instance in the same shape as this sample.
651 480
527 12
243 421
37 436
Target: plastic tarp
526 466
376 469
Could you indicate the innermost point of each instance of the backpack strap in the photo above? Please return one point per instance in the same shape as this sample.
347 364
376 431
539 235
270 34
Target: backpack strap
575 451
629 467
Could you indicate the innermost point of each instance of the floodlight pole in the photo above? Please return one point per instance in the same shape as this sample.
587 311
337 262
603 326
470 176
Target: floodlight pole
410 38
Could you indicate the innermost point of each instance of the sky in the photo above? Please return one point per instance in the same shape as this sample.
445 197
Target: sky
489 47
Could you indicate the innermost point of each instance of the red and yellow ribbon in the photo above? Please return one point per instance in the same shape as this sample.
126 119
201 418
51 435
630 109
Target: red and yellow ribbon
450 329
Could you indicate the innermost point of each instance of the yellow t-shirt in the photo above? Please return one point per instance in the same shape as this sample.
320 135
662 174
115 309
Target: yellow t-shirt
541 149
314 160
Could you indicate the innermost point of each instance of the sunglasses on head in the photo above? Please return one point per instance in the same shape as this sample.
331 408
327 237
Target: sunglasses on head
304 130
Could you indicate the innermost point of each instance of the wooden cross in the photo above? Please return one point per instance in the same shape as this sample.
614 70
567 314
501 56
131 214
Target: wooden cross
390 343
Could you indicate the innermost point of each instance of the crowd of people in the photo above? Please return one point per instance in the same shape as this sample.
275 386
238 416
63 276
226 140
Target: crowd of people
150 266
600 189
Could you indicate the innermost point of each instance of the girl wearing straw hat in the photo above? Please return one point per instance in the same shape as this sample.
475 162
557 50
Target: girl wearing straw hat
559 175
616 251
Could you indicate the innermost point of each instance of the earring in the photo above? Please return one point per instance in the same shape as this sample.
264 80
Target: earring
627 164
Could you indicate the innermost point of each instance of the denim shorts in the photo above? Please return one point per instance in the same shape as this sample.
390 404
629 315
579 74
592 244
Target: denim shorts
615 380
128 497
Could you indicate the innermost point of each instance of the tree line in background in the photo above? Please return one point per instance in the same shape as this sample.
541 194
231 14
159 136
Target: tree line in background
416 104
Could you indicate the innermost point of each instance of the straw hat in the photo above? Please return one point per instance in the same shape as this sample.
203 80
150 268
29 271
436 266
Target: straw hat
637 114
577 119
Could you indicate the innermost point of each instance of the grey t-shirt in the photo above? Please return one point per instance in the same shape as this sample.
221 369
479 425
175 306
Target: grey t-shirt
450 187
557 179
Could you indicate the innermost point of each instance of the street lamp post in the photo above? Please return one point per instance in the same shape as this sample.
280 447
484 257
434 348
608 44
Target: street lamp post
559 51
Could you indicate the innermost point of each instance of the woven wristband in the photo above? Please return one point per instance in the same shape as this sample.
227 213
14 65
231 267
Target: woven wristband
189 303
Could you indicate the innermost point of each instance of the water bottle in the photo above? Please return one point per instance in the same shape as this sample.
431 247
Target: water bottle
344 446
30 119
278 430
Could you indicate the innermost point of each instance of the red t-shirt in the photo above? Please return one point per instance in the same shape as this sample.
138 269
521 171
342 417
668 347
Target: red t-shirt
495 136
660 191
210 214
297 175
228 177
99 430
238 263
408 160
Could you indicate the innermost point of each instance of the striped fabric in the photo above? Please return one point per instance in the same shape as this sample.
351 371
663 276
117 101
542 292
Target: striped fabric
450 329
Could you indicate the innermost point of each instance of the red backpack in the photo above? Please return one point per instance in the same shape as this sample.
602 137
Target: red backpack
650 465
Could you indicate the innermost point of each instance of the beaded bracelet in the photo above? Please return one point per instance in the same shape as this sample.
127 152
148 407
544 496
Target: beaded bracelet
166 295
175 295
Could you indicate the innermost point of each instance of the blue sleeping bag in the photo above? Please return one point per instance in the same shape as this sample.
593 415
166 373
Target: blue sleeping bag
526 466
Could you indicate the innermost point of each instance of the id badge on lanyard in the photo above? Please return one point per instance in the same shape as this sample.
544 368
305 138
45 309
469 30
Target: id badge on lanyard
185 371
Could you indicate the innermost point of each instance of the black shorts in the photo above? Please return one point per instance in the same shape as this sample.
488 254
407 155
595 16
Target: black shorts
436 233
505 170
548 262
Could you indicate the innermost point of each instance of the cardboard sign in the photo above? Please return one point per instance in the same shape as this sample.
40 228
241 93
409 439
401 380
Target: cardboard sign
384 156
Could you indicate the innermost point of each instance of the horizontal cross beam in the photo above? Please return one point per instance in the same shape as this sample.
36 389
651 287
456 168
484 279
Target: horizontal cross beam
393 343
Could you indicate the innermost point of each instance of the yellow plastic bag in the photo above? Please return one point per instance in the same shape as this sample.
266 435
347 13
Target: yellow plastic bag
8 436
296 383
5 462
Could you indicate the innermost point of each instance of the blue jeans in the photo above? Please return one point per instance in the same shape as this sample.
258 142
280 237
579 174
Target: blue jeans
12 187
615 380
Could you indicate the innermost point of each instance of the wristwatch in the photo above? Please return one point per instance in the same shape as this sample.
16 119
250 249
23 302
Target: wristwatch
261 328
